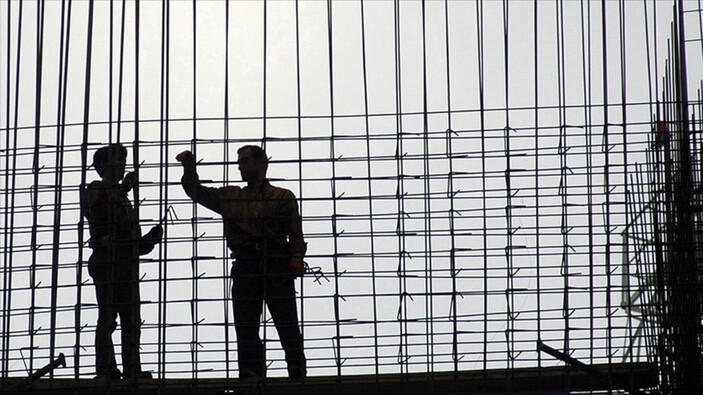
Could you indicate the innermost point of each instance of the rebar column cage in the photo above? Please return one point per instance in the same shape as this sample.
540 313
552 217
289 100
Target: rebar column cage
484 185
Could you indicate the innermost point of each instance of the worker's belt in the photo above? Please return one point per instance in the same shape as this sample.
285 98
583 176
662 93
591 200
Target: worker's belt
258 248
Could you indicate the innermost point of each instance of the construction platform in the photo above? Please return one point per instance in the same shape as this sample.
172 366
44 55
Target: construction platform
629 377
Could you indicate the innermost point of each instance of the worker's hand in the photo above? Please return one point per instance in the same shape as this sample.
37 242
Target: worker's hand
128 181
297 266
155 234
186 158
151 239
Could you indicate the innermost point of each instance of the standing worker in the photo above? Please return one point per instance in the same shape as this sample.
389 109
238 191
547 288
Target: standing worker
117 242
263 229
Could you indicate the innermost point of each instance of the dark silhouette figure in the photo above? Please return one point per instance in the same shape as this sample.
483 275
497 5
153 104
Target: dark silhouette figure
264 232
117 243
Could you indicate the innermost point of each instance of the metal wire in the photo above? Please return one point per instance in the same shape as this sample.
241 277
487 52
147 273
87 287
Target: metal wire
473 178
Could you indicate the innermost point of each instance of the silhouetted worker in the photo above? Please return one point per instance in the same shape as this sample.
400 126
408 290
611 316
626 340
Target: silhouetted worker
117 243
264 232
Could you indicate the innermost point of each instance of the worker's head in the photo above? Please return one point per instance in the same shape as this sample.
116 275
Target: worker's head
253 162
110 161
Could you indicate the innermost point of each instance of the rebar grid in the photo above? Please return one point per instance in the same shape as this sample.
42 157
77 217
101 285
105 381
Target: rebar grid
472 176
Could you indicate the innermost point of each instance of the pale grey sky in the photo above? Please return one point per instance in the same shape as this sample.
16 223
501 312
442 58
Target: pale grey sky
271 80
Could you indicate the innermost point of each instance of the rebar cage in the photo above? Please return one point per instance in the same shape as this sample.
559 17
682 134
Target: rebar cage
475 178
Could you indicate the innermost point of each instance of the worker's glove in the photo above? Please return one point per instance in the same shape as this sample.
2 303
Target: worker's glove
186 158
297 267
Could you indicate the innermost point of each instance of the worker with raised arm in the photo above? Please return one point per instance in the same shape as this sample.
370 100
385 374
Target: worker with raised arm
263 229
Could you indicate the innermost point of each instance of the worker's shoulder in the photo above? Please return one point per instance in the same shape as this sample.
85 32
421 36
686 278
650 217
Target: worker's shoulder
92 193
95 184
94 189
279 192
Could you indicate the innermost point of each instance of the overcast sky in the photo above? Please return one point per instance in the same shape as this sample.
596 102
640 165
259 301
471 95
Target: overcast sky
396 128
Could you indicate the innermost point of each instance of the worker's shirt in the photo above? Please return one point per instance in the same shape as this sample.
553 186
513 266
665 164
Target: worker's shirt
252 216
111 217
